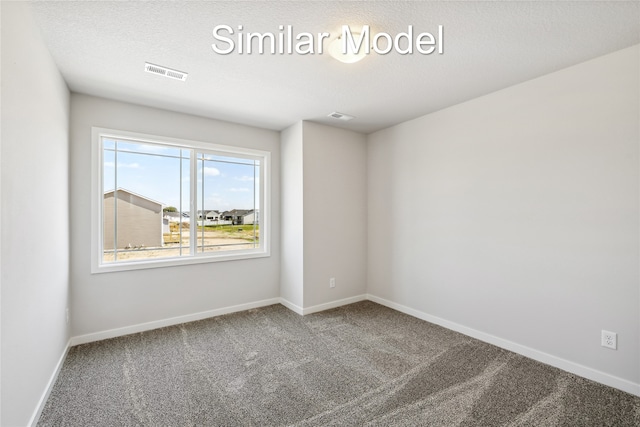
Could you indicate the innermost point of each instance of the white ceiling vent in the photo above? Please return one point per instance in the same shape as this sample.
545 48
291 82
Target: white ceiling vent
164 71
341 116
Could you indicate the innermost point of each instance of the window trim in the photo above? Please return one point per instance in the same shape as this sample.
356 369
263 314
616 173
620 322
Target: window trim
97 198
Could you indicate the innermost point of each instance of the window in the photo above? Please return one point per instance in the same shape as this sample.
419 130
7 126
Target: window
161 201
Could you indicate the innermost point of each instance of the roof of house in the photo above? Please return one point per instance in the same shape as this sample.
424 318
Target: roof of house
124 190
238 212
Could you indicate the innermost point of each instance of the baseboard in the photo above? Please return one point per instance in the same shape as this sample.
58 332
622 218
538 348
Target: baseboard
47 391
565 365
291 306
321 307
540 356
141 327
333 304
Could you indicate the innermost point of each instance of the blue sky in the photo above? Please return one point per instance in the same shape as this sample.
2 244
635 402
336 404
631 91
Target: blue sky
154 171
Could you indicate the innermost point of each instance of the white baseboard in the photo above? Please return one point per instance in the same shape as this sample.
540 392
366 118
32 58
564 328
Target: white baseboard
333 304
565 365
47 391
291 306
141 327
540 356
321 307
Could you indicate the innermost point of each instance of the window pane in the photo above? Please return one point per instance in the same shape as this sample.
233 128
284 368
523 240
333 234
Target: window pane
141 184
227 203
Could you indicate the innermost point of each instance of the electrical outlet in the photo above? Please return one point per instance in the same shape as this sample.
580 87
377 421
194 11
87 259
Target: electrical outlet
332 282
609 340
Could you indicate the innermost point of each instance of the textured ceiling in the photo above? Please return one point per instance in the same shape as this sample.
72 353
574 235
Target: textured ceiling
101 47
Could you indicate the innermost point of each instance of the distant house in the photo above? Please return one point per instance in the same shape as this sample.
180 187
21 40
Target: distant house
212 216
139 221
240 216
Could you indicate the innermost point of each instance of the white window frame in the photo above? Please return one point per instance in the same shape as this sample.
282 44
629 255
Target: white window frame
97 199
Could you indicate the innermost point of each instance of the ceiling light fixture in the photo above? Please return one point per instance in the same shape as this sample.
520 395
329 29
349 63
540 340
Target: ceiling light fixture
164 71
335 50
341 116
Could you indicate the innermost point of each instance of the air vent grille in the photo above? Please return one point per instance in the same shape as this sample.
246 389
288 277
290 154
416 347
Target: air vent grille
164 71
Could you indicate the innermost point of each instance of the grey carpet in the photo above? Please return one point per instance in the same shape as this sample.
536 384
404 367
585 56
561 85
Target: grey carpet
362 364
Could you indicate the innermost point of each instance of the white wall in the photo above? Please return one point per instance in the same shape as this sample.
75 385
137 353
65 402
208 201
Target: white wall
516 214
324 216
35 215
108 301
335 213
292 214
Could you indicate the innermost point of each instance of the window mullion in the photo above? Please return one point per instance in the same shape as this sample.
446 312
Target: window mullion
193 189
115 202
204 215
179 209
255 208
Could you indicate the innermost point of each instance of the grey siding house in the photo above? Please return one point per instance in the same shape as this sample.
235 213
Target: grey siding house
139 221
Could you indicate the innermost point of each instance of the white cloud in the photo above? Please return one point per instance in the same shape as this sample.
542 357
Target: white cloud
211 171
239 190
245 178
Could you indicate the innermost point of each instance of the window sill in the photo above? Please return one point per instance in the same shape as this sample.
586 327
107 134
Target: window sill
176 262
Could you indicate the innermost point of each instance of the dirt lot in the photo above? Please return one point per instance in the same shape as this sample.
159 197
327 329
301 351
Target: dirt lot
227 239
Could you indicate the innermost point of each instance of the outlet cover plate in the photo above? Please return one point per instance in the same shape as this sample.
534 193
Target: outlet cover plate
609 340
